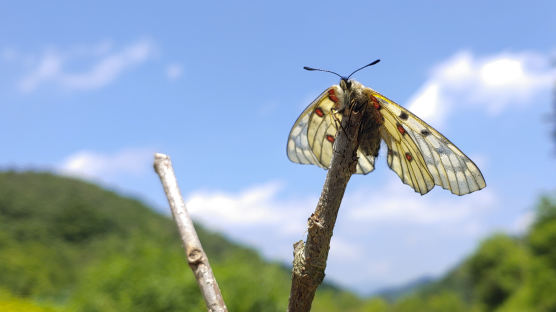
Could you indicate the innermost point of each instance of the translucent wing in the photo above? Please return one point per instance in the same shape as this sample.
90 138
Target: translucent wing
422 156
365 163
312 136
299 150
322 127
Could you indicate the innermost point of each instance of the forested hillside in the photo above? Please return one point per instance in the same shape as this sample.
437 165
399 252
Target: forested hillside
68 245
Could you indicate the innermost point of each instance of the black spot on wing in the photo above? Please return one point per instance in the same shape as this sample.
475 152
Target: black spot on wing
403 115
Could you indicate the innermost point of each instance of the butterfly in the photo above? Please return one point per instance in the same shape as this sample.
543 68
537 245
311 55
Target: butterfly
420 155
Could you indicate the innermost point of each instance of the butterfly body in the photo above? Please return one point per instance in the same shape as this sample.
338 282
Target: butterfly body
420 155
371 123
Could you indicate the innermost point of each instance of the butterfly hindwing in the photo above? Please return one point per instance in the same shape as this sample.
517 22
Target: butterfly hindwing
406 160
365 163
432 154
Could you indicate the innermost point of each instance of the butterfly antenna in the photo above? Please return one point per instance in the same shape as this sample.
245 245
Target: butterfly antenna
322 70
370 64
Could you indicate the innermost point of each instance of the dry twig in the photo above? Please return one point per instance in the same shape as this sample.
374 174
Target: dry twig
310 257
196 257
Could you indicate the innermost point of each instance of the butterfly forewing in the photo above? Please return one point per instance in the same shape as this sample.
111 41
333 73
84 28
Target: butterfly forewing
321 131
299 150
445 163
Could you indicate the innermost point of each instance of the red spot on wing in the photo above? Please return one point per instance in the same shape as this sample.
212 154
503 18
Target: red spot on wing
401 129
319 112
408 156
330 138
332 96
375 102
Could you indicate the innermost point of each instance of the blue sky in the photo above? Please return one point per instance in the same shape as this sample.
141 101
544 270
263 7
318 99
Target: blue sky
93 90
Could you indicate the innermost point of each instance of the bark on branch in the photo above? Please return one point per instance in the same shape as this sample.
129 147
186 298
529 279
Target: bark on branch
196 257
310 256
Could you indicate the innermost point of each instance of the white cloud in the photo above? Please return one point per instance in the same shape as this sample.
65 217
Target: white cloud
255 206
493 83
103 69
378 269
397 204
102 166
348 250
386 236
48 69
252 206
174 71
522 223
258 216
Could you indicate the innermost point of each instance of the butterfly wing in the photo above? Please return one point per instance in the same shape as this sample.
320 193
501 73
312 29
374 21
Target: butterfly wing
313 134
299 150
365 163
422 156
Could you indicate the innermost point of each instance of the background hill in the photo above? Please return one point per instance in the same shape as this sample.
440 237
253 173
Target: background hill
68 245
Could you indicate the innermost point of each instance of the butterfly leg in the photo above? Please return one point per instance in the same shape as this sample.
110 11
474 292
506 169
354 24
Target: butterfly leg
337 121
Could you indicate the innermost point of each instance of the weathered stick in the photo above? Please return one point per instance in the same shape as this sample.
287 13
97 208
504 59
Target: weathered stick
310 257
196 257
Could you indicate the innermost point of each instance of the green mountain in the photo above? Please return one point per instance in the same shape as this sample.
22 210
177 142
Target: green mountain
69 245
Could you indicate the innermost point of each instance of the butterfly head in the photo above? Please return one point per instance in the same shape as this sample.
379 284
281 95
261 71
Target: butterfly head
345 83
353 94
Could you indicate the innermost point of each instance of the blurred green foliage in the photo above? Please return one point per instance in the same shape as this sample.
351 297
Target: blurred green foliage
68 245
508 273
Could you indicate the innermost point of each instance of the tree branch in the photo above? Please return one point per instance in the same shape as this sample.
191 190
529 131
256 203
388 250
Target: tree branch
310 257
196 257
